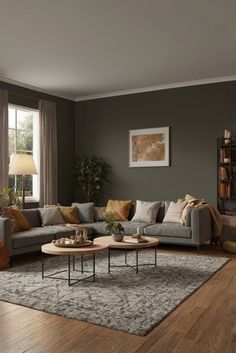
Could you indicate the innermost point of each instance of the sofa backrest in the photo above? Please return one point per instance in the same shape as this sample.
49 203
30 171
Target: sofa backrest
33 217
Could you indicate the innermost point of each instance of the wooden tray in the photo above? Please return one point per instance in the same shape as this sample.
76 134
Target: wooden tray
78 245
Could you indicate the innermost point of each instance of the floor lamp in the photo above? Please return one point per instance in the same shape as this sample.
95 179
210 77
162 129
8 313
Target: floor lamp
22 164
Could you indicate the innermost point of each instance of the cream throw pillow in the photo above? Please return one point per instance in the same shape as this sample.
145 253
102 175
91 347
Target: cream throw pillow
146 211
174 212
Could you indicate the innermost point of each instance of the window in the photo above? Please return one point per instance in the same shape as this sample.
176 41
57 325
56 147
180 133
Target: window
24 138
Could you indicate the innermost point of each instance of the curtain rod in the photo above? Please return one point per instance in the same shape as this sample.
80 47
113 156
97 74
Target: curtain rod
28 97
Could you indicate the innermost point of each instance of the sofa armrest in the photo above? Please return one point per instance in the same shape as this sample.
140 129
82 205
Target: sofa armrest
6 233
201 224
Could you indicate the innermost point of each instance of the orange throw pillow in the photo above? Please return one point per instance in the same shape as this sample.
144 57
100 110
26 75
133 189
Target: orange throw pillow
120 209
4 257
15 214
69 214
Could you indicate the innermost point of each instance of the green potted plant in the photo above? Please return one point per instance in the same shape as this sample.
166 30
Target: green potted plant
9 197
91 174
115 229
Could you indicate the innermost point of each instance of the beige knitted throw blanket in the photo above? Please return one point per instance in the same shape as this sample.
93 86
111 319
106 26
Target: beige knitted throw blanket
215 214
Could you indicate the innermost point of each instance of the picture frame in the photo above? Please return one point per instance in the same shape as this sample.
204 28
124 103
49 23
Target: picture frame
149 147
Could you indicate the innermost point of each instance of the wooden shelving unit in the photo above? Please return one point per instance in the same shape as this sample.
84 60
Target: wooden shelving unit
226 175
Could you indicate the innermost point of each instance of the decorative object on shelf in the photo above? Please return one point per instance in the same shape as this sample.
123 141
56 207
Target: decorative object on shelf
113 228
22 164
149 147
227 137
91 174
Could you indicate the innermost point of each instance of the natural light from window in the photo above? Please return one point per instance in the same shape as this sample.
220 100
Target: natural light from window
24 138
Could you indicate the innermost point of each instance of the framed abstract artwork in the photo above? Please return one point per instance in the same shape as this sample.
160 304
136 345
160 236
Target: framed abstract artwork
149 147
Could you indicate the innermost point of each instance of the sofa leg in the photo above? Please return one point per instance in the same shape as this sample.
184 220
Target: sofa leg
10 261
198 248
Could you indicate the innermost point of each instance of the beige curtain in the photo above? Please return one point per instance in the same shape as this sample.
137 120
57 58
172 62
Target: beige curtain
48 152
4 154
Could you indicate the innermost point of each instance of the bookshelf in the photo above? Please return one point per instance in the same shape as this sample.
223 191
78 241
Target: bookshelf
226 175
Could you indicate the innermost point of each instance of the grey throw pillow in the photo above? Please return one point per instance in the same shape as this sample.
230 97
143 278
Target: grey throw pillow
51 216
85 211
99 213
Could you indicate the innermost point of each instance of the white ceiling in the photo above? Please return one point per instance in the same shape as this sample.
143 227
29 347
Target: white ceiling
81 48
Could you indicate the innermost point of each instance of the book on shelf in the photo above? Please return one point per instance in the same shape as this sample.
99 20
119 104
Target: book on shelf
223 174
224 190
136 240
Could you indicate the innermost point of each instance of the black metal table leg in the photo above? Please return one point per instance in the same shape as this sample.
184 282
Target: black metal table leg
69 270
155 256
73 259
136 260
42 265
126 256
109 261
82 263
94 267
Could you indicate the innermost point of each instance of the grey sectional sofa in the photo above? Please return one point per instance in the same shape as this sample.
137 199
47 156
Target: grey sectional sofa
196 232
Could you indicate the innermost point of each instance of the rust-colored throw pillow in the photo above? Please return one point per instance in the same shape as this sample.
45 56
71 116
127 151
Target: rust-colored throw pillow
4 257
69 214
20 222
120 209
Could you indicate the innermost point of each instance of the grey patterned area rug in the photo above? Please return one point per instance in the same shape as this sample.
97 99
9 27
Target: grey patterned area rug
122 300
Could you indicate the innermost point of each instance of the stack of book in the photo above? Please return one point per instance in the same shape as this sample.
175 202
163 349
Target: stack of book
136 240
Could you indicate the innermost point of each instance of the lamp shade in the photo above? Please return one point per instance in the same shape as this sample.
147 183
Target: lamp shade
22 164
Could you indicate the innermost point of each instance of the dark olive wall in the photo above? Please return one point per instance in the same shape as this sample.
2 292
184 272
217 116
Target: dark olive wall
196 116
65 133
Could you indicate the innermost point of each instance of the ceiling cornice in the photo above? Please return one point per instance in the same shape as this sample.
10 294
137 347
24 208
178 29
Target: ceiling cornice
158 87
34 88
124 92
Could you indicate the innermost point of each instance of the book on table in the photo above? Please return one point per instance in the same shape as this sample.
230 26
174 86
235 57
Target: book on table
136 240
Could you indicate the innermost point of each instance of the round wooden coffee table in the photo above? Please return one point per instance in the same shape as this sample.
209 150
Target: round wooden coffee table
52 249
123 245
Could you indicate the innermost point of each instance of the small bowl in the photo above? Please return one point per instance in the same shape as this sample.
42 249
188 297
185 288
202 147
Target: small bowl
117 237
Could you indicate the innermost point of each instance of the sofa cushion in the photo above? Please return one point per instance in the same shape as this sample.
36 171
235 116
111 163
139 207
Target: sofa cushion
131 227
174 212
69 214
146 211
85 211
97 227
34 236
161 212
63 231
99 213
51 216
19 222
120 209
168 230
33 217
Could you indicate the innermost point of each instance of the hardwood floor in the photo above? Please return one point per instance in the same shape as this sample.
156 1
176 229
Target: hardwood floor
204 323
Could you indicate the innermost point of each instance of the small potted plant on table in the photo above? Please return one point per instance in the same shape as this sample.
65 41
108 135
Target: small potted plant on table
115 229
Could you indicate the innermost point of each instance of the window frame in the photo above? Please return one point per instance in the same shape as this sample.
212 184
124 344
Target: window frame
35 150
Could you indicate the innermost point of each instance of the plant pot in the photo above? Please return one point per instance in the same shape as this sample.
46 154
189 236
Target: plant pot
117 237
